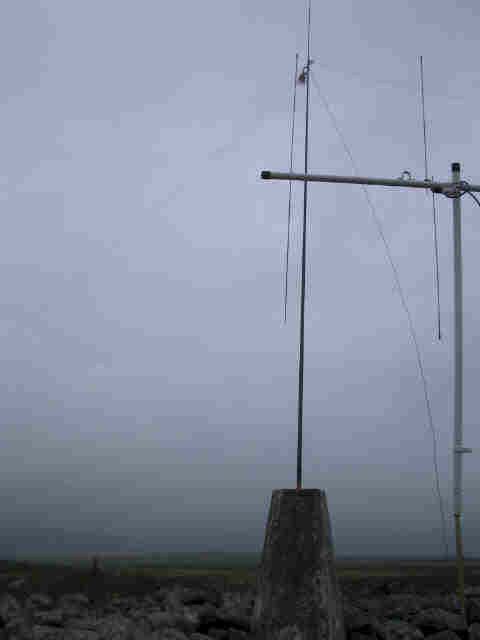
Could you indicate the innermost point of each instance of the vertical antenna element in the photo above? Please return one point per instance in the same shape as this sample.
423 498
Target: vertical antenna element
423 116
290 184
437 277
305 76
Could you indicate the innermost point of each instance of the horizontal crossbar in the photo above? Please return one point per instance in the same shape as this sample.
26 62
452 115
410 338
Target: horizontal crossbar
437 187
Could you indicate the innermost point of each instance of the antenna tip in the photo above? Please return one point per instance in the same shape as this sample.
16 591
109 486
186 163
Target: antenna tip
455 166
266 175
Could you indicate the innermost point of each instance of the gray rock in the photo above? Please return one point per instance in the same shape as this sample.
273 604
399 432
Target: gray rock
204 614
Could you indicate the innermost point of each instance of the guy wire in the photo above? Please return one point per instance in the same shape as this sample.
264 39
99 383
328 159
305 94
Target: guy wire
437 277
290 184
402 299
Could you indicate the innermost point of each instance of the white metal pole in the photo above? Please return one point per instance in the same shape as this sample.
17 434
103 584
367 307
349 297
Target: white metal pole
458 448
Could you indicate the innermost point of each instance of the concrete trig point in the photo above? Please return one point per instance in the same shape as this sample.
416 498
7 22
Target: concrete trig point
298 593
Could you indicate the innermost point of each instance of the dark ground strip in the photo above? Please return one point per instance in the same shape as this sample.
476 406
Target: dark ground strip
59 581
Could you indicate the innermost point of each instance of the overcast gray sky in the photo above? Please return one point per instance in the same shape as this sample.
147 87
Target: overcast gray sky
149 385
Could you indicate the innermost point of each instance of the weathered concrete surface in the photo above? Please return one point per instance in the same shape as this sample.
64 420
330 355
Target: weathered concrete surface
298 594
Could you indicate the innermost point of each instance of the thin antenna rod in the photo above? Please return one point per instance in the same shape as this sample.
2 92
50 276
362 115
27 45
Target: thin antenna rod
290 186
437 277
306 76
423 115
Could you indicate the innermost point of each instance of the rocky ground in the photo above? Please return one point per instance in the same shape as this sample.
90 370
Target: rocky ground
74 606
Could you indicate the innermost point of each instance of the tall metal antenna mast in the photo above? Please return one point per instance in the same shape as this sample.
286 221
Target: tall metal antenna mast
304 77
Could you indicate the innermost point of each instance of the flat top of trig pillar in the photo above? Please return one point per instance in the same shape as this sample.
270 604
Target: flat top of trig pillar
300 491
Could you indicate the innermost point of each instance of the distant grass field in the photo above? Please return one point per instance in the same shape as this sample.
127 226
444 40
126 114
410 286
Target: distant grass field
208 560
113 560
